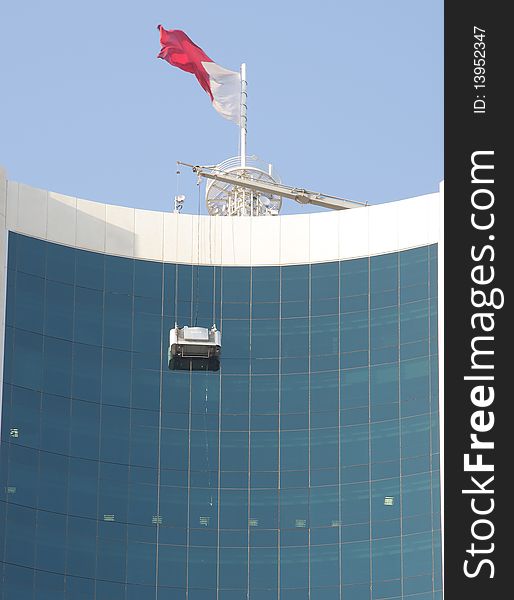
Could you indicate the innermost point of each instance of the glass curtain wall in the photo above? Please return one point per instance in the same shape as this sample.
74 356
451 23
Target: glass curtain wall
306 468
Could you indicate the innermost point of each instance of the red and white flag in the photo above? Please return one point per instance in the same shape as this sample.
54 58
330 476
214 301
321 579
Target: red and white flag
222 85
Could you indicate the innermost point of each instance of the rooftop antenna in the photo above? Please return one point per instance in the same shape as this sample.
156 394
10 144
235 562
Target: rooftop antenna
231 199
243 118
179 198
246 186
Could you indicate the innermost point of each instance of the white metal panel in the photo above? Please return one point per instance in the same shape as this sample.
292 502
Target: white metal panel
324 238
11 208
353 233
236 240
413 219
435 215
148 234
62 219
211 241
170 225
265 240
294 240
119 230
32 211
90 233
186 239
383 228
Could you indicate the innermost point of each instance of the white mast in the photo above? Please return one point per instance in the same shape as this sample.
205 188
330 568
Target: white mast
243 119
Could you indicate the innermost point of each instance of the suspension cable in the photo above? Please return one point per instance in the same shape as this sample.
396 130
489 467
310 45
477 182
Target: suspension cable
197 300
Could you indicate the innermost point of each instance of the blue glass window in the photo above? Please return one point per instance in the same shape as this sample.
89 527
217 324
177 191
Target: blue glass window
315 444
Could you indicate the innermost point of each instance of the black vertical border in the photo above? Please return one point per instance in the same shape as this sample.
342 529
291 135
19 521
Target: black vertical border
465 133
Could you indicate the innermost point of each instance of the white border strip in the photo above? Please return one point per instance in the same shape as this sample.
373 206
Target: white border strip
228 241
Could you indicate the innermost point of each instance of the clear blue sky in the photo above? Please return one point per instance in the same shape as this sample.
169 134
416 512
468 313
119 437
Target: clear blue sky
345 96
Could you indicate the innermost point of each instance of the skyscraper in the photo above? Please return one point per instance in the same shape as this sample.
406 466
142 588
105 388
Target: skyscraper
305 467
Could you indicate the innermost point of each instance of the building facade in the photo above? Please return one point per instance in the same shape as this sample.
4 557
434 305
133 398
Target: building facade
307 467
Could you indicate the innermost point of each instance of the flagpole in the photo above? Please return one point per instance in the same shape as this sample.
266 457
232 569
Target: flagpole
243 119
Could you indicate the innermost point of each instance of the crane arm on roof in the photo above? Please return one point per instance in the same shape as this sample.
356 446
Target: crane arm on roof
299 195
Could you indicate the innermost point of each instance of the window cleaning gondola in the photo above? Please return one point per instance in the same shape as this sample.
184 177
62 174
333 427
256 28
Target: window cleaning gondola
194 348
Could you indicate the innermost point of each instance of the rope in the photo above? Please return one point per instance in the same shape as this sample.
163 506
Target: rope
176 293
177 173
197 301
214 295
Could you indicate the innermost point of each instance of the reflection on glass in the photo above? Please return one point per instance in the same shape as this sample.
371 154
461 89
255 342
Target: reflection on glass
308 464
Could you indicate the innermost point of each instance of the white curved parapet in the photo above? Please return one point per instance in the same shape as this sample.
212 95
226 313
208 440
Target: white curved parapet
230 241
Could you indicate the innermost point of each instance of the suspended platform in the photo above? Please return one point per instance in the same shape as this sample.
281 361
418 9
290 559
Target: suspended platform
194 348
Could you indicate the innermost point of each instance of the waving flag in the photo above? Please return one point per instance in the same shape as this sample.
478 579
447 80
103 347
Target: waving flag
222 85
